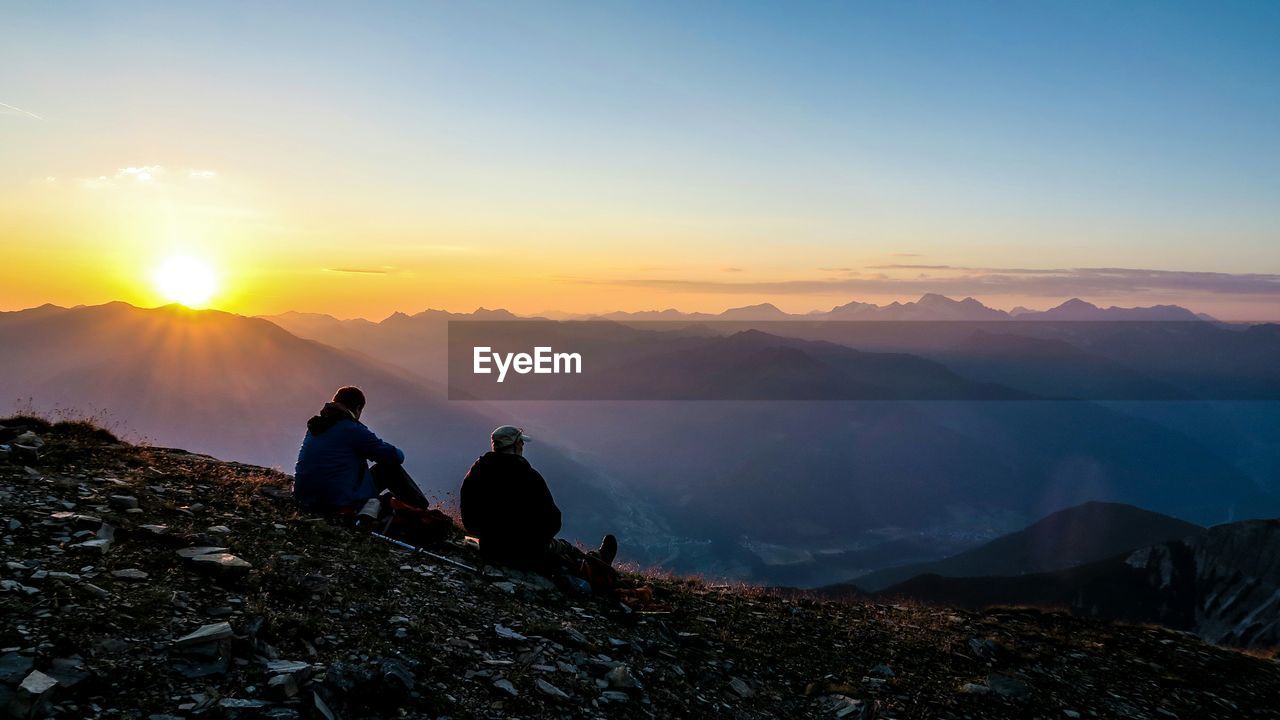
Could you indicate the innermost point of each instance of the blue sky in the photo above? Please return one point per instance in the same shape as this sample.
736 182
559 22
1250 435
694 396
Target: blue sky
771 139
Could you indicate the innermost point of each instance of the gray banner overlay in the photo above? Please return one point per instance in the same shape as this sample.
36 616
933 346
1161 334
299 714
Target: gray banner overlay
862 360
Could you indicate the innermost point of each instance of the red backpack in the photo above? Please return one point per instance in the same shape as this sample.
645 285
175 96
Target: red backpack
415 525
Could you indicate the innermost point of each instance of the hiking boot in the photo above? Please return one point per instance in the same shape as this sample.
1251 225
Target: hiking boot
608 549
369 514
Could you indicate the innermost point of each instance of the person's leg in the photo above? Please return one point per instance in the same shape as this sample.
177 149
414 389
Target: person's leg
607 551
395 479
563 548
589 566
567 551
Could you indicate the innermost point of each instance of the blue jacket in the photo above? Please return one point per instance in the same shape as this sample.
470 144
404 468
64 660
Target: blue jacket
332 470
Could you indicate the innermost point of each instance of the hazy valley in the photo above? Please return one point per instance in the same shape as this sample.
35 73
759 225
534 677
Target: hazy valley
962 427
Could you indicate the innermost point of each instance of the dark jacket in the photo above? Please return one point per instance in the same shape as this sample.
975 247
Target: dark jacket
506 503
332 472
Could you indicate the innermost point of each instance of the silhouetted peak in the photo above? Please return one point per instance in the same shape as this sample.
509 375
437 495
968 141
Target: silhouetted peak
1076 304
929 299
498 314
752 336
296 314
855 305
759 309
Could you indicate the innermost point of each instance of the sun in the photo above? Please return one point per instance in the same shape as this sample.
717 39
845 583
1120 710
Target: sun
186 280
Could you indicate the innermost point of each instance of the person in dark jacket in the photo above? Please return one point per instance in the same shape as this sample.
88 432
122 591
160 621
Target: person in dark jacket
507 505
332 473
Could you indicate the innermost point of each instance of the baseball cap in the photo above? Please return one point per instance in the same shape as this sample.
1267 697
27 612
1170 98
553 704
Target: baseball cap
507 435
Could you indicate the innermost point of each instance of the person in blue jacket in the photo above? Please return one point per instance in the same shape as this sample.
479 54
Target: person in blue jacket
332 473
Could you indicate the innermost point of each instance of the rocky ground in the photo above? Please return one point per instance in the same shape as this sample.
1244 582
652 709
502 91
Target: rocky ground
152 583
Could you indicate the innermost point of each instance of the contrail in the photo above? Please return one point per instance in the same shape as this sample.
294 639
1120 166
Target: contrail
19 110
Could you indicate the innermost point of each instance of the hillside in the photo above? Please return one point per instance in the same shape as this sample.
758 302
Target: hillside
102 618
243 388
1081 534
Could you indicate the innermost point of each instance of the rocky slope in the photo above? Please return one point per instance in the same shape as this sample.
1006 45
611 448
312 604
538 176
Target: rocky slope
1231 580
1222 584
109 610
1077 535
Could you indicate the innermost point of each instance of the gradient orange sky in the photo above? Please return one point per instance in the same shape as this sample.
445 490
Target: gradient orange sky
584 159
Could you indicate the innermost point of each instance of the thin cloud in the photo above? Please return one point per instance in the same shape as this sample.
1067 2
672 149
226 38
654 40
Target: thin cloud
14 110
438 249
360 271
962 268
132 175
911 267
147 175
142 174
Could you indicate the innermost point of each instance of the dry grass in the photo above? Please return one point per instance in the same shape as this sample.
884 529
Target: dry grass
449 505
1271 653
101 419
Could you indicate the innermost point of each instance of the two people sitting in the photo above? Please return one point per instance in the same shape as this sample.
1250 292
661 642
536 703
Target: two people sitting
505 502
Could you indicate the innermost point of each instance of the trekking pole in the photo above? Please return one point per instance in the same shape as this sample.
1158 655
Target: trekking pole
428 553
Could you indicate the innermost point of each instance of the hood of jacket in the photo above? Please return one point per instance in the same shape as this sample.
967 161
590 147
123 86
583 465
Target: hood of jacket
500 459
329 416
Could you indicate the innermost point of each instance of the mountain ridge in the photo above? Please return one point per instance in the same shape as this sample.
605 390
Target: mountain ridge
930 306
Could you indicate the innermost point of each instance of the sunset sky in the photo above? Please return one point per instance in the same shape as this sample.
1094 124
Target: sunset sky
367 158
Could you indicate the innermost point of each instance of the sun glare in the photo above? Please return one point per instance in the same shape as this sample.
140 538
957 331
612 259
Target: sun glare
186 280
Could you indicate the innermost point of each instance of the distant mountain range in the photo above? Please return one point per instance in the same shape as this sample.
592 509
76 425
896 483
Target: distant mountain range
786 486
930 307
1075 350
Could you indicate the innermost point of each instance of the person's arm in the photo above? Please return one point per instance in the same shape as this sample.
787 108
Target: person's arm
371 447
548 513
469 504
